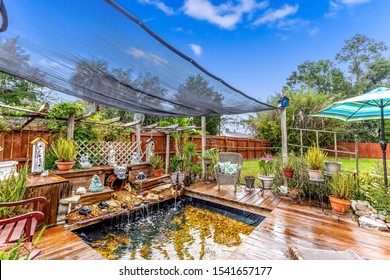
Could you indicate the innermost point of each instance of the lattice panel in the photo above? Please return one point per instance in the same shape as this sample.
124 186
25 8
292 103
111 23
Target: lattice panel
99 152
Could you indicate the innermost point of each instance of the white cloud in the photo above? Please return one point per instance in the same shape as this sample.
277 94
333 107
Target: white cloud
271 16
159 5
335 6
196 49
226 15
353 2
313 32
146 55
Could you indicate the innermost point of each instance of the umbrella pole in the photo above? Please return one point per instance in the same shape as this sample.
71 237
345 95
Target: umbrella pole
383 146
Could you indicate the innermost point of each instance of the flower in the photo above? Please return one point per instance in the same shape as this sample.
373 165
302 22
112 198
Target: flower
266 166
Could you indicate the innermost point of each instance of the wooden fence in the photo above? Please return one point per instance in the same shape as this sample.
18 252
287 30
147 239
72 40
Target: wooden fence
17 144
365 150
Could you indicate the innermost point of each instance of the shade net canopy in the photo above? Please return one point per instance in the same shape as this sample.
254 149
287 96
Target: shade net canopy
98 51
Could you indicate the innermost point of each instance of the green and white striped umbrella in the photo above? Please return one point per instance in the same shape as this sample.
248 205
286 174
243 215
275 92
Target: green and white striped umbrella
372 105
367 106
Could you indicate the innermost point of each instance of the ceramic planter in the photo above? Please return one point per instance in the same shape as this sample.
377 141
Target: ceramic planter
266 181
65 166
7 168
314 174
332 166
340 206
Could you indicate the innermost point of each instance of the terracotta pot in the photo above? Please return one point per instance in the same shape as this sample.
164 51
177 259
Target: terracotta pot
340 206
157 172
314 174
65 166
288 173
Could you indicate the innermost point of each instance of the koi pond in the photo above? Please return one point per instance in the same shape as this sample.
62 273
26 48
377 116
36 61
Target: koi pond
185 229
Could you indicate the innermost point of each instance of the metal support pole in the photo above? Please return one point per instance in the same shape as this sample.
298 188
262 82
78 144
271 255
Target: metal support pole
203 124
383 146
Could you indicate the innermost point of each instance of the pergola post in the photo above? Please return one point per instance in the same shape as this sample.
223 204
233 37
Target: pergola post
138 137
284 140
70 131
203 127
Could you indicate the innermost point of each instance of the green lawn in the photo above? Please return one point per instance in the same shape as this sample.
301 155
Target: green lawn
250 167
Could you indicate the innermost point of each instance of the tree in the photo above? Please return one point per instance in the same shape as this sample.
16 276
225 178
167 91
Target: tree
302 104
359 53
378 74
197 88
320 76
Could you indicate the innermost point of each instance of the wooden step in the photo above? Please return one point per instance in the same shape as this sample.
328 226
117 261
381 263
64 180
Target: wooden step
153 182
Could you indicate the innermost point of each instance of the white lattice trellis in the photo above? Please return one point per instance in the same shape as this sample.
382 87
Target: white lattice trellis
99 152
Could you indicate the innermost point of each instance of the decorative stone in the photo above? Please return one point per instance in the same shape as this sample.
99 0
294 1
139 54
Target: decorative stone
96 184
353 205
388 225
366 203
361 207
360 213
374 211
124 205
382 217
380 221
103 205
373 216
144 193
81 190
365 222
84 162
152 198
136 204
84 210
120 171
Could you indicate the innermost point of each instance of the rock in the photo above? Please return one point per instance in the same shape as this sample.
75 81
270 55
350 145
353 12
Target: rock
152 197
382 217
353 205
374 211
365 222
360 213
388 225
361 207
124 205
381 222
382 213
144 193
81 190
373 216
366 203
136 204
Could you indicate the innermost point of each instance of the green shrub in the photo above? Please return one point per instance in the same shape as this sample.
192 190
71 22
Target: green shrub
315 158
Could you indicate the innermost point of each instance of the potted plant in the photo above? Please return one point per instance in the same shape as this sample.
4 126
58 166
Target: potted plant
266 175
65 152
332 167
315 159
157 164
175 163
289 165
341 188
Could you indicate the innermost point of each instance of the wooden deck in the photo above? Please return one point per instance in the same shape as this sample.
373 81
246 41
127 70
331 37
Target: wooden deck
285 222
242 198
58 243
312 228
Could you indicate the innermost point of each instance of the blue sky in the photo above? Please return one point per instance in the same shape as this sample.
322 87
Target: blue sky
255 45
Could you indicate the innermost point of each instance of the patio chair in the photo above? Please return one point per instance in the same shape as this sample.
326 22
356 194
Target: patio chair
21 226
302 253
228 169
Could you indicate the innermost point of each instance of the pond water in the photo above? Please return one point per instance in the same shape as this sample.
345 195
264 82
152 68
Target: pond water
194 229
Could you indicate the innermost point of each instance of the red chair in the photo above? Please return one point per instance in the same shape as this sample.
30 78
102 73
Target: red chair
21 226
